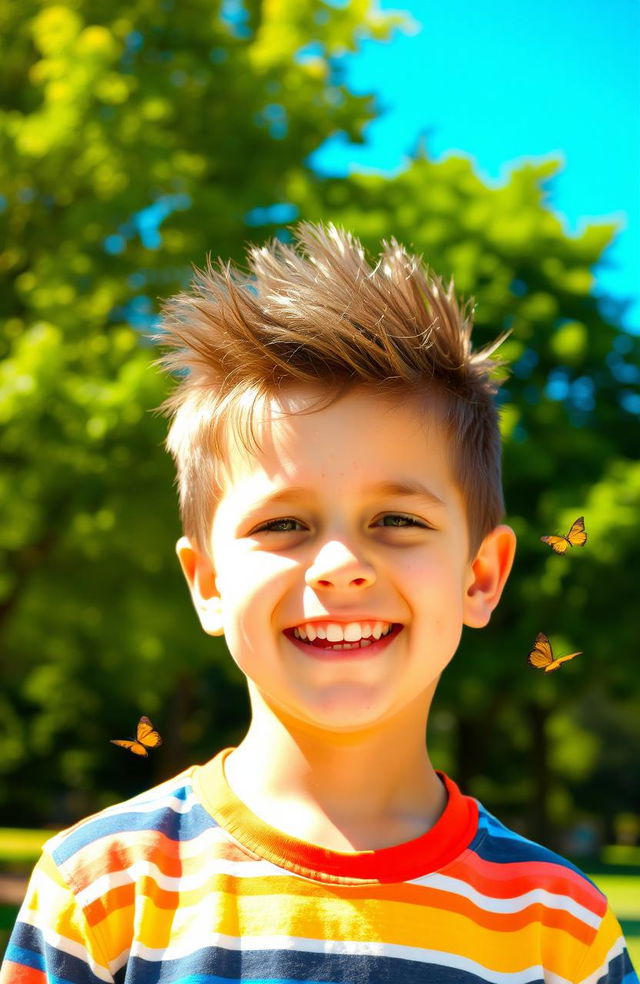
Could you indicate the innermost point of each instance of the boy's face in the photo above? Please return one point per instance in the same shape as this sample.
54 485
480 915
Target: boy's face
348 517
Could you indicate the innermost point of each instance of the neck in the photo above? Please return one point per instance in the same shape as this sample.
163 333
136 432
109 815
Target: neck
357 791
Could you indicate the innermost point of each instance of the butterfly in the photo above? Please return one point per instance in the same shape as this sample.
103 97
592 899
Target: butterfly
541 656
146 737
576 537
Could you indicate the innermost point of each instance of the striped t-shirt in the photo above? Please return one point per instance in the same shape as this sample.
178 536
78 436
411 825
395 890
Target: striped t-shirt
184 883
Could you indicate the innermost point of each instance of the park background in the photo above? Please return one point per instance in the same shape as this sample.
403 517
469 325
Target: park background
137 137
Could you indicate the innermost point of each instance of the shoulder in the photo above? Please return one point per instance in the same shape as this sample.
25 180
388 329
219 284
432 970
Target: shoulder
92 882
159 821
529 867
523 882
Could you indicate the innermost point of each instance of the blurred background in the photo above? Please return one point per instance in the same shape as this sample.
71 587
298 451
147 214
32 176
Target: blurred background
501 142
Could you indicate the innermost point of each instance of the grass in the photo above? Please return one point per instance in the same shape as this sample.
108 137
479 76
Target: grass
19 851
616 873
623 892
20 848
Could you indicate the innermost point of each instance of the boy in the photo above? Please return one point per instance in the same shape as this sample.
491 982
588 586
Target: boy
338 458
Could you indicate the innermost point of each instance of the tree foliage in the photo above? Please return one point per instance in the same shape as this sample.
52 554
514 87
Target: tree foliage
119 116
136 138
570 414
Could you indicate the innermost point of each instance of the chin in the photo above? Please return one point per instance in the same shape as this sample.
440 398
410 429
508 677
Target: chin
347 709
351 718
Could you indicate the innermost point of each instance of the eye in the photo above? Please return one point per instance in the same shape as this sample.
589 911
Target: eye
285 525
399 521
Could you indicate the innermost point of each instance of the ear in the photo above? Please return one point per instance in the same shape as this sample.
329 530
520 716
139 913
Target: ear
488 573
201 579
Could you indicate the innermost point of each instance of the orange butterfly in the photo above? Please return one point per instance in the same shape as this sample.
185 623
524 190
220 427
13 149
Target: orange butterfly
146 737
576 537
541 656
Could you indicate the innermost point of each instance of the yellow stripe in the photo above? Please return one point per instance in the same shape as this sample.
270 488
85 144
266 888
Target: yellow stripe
51 907
336 918
596 956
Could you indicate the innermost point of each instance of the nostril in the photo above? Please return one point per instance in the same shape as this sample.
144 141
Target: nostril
359 580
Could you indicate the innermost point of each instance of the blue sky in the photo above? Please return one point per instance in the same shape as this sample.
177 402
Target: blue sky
501 81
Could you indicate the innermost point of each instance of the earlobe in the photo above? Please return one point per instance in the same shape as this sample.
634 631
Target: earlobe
200 577
488 575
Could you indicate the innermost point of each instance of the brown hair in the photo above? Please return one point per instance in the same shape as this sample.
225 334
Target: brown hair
317 312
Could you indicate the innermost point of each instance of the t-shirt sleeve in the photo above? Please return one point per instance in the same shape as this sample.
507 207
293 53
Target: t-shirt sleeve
52 939
606 960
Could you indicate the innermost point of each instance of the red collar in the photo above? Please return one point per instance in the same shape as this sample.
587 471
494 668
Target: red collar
449 836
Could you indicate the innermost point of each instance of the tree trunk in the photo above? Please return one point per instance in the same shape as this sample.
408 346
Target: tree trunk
180 707
539 807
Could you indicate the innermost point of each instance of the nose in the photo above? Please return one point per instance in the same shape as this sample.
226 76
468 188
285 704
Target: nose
337 566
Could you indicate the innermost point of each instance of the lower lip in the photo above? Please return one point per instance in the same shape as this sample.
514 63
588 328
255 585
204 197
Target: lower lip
340 655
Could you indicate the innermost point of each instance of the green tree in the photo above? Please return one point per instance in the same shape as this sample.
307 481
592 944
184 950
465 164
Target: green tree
137 137
570 415
117 116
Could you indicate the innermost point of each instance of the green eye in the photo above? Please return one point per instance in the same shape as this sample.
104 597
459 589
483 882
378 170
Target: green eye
279 526
400 521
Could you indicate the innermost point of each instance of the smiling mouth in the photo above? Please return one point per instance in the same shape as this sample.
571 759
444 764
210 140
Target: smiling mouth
343 645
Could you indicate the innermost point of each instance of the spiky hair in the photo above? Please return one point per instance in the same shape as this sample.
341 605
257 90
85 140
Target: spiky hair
316 312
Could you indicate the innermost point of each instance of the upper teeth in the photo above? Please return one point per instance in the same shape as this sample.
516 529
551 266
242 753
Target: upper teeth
334 632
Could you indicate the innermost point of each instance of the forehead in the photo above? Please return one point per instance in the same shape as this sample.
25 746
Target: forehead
360 439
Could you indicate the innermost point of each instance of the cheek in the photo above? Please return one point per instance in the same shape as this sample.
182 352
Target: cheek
249 581
435 588
426 575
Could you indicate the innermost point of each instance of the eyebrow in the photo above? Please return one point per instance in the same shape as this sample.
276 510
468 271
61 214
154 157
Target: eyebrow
407 488
387 489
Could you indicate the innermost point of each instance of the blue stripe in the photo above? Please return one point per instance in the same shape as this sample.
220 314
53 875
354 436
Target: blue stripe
495 842
29 941
20 955
28 947
173 825
288 967
620 971
217 965
213 979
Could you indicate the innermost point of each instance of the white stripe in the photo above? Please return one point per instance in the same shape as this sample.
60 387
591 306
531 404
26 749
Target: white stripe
550 978
180 883
350 948
202 844
513 904
614 952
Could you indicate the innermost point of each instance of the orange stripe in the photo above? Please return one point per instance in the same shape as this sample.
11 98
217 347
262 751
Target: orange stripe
15 973
117 898
291 892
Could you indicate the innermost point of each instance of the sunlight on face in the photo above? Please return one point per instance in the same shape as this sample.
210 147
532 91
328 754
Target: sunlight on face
348 515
